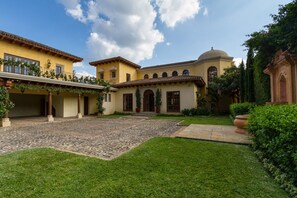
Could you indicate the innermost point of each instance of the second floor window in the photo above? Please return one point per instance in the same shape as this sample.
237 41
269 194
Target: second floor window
113 74
128 77
19 69
59 69
101 75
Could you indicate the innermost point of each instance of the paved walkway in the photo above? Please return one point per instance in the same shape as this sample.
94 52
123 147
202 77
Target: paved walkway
100 137
218 133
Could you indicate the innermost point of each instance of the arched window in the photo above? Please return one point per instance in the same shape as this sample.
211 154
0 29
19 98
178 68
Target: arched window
164 75
145 76
186 72
155 75
212 73
174 73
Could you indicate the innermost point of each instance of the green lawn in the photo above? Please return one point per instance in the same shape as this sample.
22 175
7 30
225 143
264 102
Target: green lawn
161 167
187 120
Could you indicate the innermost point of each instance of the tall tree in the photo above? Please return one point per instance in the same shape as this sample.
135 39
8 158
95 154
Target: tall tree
250 93
242 82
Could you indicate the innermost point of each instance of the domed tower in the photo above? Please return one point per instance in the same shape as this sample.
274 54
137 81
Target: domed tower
212 63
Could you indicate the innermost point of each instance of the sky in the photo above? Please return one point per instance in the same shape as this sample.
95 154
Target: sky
147 32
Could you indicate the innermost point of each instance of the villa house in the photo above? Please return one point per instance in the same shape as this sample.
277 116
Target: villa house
180 83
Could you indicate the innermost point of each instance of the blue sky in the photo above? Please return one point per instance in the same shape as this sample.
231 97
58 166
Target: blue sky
148 32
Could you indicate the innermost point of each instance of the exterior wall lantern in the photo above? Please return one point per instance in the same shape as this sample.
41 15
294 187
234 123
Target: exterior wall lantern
48 63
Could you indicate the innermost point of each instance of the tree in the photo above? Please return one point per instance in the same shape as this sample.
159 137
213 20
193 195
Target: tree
5 103
250 93
242 82
138 100
225 85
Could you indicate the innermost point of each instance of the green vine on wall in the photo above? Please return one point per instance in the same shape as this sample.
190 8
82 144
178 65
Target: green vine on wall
5 103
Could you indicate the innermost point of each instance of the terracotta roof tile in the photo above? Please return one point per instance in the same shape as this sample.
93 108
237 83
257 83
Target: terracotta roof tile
33 44
114 59
173 79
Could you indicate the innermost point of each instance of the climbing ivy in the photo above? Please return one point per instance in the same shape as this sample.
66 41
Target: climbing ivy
5 103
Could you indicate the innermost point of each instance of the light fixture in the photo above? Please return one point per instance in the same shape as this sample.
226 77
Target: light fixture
49 63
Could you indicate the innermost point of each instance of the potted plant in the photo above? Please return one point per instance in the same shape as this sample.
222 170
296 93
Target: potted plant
138 100
158 100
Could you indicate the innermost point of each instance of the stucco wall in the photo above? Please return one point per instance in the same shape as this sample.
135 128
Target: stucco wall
187 95
110 106
17 50
58 104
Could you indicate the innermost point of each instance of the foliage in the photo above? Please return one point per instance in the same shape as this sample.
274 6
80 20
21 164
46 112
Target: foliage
100 107
161 167
5 103
279 35
275 134
227 84
242 82
138 98
185 112
195 111
241 108
250 93
158 98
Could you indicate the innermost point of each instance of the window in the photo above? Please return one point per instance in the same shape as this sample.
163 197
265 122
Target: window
173 101
155 75
18 69
186 72
101 75
212 73
128 77
145 76
105 97
174 73
113 74
109 97
164 75
59 69
127 102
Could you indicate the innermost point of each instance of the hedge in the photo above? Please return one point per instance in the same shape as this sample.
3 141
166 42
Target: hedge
275 134
241 108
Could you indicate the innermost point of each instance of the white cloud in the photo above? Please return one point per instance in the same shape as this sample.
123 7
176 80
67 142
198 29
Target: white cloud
127 27
168 43
205 12
79 65
125 30
177 11
84 73
237 61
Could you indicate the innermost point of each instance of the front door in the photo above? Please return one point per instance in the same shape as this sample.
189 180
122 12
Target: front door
149 101
128 102
86 105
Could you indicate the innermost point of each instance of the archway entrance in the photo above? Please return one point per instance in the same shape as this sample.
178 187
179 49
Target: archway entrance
149 101
283 89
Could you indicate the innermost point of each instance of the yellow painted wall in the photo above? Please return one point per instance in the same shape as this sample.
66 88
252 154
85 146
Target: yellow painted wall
168 70
106 69
124 69
187 95
17 50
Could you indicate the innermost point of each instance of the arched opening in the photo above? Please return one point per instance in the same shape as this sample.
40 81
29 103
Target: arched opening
149 101
283 89
174 73
164 75
155 75
145 76
186 72
212 73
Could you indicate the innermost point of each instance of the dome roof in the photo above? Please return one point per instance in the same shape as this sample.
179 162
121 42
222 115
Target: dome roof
213 54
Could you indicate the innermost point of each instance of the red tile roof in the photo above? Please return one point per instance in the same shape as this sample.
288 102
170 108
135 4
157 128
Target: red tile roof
173 79
114 59
38 46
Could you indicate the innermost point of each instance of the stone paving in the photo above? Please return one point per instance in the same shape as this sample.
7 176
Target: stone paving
100 137
218 133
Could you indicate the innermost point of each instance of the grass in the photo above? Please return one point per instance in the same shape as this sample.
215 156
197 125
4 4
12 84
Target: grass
187 120
161 167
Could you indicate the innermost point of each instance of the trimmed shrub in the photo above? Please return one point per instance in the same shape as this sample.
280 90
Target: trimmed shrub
193 112
275 134
241 108
186 112
5 103
202 111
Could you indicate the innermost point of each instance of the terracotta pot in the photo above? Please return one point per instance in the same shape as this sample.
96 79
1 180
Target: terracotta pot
241 122
137 110
157 109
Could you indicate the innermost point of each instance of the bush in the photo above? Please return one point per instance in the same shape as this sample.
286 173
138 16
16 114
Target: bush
202 111
193 112
241 108
186 112
275 134
5 103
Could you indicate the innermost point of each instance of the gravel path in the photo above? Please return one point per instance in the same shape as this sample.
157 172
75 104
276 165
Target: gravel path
103 138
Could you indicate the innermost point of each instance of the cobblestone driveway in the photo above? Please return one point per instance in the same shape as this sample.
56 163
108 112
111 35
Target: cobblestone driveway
104 138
